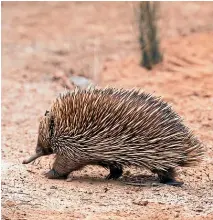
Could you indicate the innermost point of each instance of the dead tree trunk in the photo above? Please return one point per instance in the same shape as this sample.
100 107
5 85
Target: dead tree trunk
148 34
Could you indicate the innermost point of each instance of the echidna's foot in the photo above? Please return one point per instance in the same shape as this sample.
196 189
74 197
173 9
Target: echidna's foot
52 174
115 172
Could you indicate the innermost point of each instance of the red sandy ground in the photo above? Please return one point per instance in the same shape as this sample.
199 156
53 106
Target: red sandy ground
99 40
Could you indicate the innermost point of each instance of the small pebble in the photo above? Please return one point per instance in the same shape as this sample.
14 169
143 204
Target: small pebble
141 203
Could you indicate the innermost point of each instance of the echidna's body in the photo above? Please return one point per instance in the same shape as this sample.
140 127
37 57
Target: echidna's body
115 128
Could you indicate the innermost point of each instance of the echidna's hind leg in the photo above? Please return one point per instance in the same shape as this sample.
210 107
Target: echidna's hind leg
62 167
116 171
168 177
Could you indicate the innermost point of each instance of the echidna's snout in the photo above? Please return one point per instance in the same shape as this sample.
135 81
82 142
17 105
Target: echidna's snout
33 157
39 152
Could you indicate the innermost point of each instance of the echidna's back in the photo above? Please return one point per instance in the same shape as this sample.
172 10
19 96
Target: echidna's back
130 127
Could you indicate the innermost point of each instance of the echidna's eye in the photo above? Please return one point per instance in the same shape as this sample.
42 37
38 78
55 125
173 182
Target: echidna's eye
47 151
38 149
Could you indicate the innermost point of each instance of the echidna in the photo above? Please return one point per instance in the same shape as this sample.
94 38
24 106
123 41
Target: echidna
115 128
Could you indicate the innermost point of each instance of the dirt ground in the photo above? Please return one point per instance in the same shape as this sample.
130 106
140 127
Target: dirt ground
99 40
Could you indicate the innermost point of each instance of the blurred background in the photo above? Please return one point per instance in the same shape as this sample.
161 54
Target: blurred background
163 48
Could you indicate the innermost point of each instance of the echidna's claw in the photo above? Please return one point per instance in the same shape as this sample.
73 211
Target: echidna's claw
52 174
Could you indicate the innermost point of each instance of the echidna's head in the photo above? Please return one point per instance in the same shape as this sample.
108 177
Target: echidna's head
45 132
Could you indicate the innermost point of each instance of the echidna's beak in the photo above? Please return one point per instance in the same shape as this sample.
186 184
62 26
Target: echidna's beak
33 157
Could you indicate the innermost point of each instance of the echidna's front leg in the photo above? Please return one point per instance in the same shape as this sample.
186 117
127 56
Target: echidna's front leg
62 167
